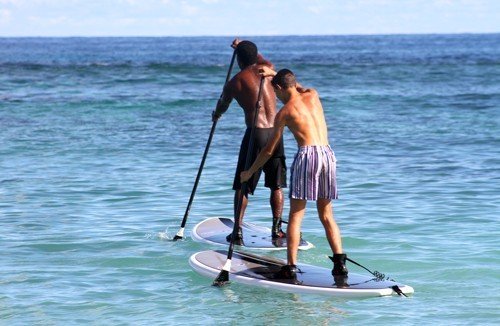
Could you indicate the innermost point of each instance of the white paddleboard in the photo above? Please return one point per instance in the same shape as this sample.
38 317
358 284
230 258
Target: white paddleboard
214 231
258 271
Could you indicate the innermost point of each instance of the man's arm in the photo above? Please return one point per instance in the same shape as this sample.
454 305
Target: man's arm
262 61
223 102
269 72
267 151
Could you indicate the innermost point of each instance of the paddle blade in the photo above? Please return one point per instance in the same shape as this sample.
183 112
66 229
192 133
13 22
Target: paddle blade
179 235
222 279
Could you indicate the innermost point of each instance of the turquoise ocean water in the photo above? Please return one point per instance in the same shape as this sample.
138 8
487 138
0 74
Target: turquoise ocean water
101 139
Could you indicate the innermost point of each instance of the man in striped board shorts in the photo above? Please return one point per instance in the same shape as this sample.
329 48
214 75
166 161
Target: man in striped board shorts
313 170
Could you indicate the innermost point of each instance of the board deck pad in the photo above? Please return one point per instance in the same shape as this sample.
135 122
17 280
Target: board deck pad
214 230
259 271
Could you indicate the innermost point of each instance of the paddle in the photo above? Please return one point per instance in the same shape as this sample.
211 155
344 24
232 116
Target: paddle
180 233
223 277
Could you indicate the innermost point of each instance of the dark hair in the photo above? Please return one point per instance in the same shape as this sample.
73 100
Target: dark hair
247 52
284 78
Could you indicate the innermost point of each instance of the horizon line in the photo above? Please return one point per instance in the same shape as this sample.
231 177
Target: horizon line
249 35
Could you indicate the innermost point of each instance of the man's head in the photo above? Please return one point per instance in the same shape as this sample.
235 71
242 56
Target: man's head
247 54
284 79
281 82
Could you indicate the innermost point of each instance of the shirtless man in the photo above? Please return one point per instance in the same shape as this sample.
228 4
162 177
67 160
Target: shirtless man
244 87
313 170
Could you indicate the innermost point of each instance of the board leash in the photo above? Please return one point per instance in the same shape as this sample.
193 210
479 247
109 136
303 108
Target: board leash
380 277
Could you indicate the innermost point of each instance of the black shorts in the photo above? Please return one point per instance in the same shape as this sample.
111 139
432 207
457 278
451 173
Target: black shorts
275 167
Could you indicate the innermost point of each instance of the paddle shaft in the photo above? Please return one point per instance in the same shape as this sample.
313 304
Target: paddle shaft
200 169
248 163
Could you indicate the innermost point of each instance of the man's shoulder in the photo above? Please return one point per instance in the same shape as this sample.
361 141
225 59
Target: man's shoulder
240 76
246 76
287 109
234 81
236 77
309 92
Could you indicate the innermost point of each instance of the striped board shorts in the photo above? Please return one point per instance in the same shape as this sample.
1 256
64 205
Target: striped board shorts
313 173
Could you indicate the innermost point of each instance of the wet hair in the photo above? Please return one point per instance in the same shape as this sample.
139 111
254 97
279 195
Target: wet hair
284 78
247 52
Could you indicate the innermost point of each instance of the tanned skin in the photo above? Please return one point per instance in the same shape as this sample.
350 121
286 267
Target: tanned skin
303 114
244 88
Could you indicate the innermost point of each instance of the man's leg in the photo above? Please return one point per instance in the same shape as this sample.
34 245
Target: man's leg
237 184
244 203
325 213
276 201
297 210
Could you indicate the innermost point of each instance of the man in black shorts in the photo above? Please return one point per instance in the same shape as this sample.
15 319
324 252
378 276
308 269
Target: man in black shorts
244 87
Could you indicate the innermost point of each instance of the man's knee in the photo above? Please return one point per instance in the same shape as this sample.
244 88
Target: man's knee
323 202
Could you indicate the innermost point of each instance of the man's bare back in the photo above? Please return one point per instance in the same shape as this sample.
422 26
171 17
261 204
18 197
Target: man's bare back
303 115
244 88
